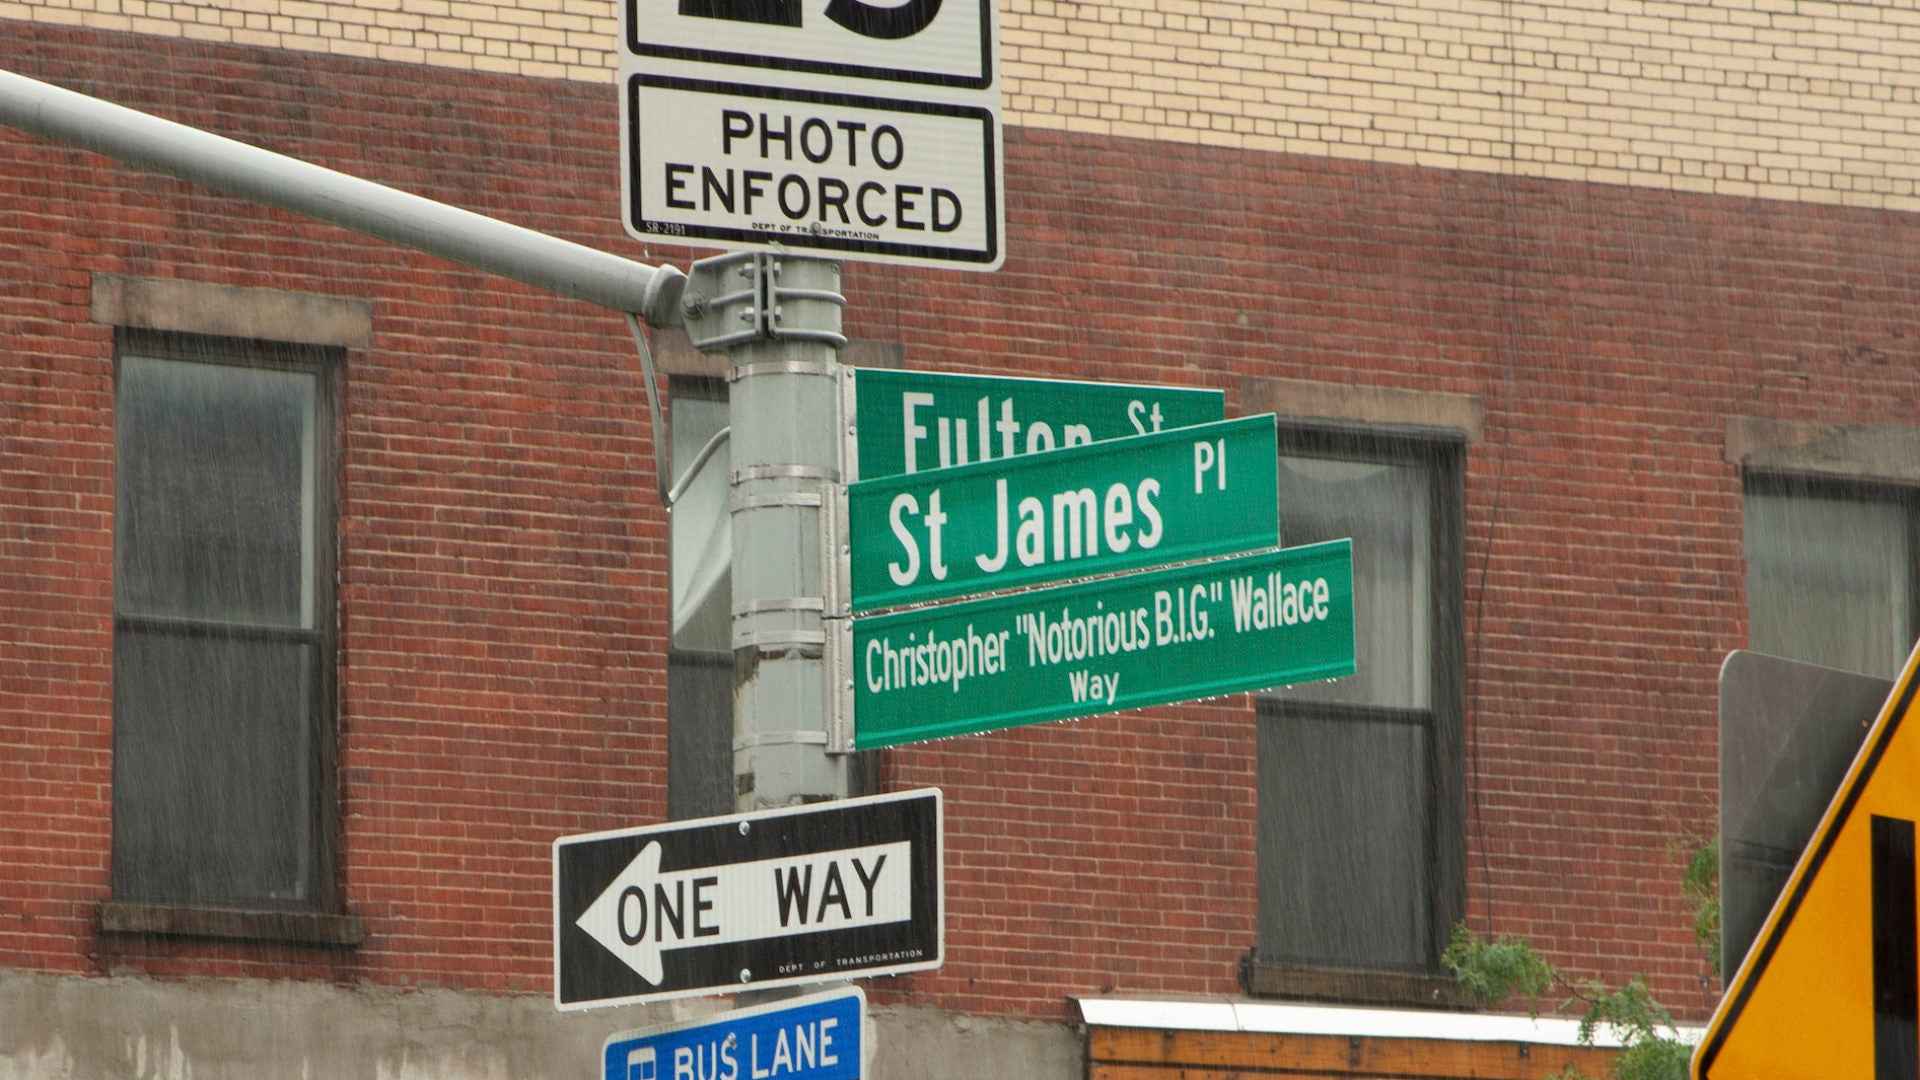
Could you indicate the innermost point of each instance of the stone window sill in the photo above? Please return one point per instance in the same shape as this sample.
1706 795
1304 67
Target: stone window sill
1267 979
233 924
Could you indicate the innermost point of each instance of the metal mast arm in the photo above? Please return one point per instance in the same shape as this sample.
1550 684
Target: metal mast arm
561 266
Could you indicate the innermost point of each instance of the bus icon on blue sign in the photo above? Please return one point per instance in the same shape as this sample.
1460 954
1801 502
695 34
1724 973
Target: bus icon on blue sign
641 1064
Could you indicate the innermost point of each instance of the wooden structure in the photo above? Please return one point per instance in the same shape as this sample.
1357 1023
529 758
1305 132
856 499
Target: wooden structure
1312 1042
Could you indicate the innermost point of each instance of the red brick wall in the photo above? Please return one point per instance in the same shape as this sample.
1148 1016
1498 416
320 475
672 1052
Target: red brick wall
502 558
503 576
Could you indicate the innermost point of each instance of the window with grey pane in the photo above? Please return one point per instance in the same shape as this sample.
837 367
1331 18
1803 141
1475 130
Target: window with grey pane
1361 846
1831 571
700 658
223 620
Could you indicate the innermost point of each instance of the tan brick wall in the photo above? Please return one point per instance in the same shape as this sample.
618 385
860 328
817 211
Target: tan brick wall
1791 99
552 39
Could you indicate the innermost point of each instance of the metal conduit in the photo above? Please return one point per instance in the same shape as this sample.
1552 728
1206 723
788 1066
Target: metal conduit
561 266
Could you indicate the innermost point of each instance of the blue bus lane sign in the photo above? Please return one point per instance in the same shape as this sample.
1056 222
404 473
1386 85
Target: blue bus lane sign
816 1037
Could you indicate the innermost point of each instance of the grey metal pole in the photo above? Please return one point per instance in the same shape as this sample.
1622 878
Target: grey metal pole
561 266
777 316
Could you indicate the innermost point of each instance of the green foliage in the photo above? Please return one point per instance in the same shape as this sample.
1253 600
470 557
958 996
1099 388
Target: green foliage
1630 1011
1654 1059
1700 885
1492 971
1653 1052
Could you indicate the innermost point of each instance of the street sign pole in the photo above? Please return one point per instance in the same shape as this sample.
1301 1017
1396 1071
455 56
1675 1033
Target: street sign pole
777 317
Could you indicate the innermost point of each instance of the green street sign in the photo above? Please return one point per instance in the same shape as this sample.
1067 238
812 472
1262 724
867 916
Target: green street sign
1248 623
910 421
1191 493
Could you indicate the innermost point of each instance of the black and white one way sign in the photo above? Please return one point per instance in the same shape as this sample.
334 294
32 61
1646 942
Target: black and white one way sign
776 898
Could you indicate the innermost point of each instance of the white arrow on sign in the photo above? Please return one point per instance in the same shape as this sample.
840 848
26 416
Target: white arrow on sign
645 912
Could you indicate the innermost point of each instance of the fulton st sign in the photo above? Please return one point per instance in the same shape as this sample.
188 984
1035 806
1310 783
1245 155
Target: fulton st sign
908 421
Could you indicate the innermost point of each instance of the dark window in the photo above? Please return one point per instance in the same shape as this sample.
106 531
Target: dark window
1831 571
223 631
1361 844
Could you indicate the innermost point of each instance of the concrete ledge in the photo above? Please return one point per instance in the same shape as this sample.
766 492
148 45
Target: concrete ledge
1300 399
1267 979
74 1027
182 920
1887 452
195 307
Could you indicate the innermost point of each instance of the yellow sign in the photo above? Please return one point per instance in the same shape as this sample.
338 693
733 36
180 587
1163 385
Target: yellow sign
1831 986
